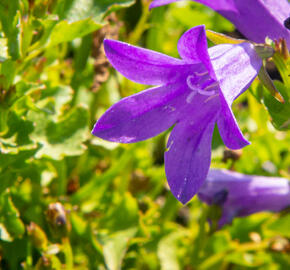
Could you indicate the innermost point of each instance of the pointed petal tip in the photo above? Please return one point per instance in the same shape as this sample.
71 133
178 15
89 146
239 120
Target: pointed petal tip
96 131
182 198
184 201
192 46
241 144
188 159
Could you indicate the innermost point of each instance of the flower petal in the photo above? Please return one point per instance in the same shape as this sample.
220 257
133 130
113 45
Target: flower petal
235 66
260 19
143 65
256 19
188 159
228 127
227 5
246 194
192 47
141 116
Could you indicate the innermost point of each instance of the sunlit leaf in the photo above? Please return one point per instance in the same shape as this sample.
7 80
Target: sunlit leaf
168 251
62 138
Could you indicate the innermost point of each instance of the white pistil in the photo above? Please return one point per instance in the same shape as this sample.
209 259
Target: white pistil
190 97
189 83
206 93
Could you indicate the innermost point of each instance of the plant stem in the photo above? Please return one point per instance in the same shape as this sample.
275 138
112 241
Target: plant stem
142 25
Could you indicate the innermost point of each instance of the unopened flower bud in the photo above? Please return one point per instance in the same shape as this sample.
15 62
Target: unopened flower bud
230 154
57 218
245 194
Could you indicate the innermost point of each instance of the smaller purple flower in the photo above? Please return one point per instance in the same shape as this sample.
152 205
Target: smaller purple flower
193 94
241 195
256 19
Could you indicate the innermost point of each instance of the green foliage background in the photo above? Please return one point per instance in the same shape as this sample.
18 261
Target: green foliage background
69 200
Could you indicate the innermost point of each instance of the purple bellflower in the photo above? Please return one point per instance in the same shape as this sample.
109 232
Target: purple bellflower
193 94
256 19
242 195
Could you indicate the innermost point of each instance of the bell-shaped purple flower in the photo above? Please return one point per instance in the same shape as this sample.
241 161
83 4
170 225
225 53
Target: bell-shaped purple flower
256 19
242 195
193 94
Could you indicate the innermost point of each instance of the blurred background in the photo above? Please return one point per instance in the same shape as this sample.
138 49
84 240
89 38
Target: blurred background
69 200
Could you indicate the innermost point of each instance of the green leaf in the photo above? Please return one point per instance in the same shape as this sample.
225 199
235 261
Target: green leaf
168 251
122 221
81 17
124 216
11 154
23 88
3 50
269 85
11 220
10 20
76 10
99 183
63 137
115 246
249 259
61 96
283 66
281 225
65 32
279 112
219 242
7 73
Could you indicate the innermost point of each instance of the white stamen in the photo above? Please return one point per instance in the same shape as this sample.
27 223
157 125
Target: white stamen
213 85
211 97
196 89
201 73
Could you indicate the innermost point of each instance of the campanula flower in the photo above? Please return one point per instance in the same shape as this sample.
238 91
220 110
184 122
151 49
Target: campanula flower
241 195
256 19
192 94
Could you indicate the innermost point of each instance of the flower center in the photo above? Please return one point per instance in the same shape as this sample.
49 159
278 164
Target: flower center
201 84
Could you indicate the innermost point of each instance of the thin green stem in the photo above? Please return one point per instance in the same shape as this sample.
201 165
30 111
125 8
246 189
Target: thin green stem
201 238
68 254
142 24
